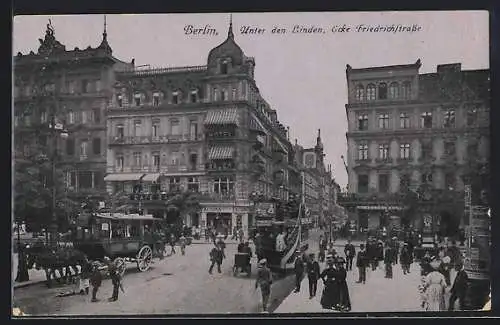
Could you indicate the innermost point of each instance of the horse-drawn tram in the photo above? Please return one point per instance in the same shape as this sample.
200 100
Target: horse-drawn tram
121 237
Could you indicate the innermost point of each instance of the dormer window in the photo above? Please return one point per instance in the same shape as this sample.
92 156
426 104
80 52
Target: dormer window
119 100
175 97
156 99
193 96
224 67
137 99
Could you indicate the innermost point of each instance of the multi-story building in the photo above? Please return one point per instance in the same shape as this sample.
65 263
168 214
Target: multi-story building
413 131
72 88
205 129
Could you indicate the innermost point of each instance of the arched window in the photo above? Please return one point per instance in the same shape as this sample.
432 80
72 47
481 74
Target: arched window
406 90
360 93
393 90
382 91
223 67
371 91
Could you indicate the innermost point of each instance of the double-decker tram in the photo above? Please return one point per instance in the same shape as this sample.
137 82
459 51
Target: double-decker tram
281 231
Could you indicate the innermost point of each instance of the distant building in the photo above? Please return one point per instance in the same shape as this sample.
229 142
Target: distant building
411 132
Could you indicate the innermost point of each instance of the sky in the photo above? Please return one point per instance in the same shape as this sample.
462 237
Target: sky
301 75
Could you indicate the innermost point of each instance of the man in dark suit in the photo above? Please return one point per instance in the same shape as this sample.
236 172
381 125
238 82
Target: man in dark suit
312 275
361 263
459 288
299 271
350 252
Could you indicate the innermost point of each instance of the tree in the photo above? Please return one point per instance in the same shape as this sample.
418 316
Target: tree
180 204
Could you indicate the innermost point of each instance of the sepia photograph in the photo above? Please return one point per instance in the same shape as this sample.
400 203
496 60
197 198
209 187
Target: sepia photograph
248 163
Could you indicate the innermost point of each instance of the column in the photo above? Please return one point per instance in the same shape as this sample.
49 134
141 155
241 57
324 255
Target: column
203 221
93 179
234 221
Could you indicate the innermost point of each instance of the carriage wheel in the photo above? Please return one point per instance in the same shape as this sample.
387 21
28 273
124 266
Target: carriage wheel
120 266
144 258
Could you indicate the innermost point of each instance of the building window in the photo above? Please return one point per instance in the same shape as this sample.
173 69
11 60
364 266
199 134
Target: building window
83 148
120 131
472 150
371 91
193 160
174 158
449 148
119 162
426 120
137 99
155 128
175 184
96 113
393 90
175 127
156 160
426 178
383 183
223 67
84 117
382 91
449 118
85 85
119 100
175 97
362 183
404 120
216 94
194 96
193 129
224 185
363 152
383 121
363 122
96 146
426 150
43 116
156 99
84 179
471 116
71 117
70 147
406 90
193 184
383 151
137 159
360 93
137 128
404 182
404 151
223 95
449 181
27 119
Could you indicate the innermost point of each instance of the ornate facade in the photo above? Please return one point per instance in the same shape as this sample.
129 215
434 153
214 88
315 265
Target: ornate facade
71 87
411 131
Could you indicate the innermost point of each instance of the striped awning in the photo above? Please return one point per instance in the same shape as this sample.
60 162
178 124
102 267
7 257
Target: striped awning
255 126
222 116
151 177
217 153
122 177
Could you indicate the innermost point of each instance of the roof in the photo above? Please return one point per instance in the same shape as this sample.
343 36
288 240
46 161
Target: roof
386 67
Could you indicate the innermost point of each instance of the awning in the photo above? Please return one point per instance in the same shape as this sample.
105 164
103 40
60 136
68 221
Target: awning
223 116
217 153
151 177
122 177
255 126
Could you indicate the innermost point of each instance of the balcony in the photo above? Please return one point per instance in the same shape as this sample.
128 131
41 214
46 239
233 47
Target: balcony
221 135
117 140
221 166
211 196
354 199
387 160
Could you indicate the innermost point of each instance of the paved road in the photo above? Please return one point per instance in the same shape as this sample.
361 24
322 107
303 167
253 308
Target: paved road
176 285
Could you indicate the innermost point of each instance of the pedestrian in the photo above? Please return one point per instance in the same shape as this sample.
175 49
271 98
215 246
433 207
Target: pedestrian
331 250
241 235
115 276
182 243
299 270
444 268
425 267
379 253
405 259
350 252
322 248
330 296
395 246
313 273
362 263
344 302
222 244
459 288
434 287
235 233
264 280
95 281
258 246
85 274
172 244
388 261
216 257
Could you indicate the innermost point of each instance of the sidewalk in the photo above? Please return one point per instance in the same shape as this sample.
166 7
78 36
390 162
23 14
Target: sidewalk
35 276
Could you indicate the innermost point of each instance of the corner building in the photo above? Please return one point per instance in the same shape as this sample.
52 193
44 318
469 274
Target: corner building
204 129
411 130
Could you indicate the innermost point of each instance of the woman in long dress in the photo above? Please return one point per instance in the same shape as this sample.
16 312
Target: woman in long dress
330 296
344 303
434 288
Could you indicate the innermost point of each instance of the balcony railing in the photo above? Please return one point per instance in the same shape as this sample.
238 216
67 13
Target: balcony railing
369 197
163 196
157 169
155 139
155 71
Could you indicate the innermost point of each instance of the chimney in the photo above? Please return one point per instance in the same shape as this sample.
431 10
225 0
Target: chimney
288 133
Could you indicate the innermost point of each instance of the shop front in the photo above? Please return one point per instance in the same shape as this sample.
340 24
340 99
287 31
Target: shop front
224 218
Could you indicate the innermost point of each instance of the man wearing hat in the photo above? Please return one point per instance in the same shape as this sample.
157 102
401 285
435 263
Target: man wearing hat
264 279
459 288
313 273
362 263
350 252
115 278
405 258
95 280
395 246
216 257
299 270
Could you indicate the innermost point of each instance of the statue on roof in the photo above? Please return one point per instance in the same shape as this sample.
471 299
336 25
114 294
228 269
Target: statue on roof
50 43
